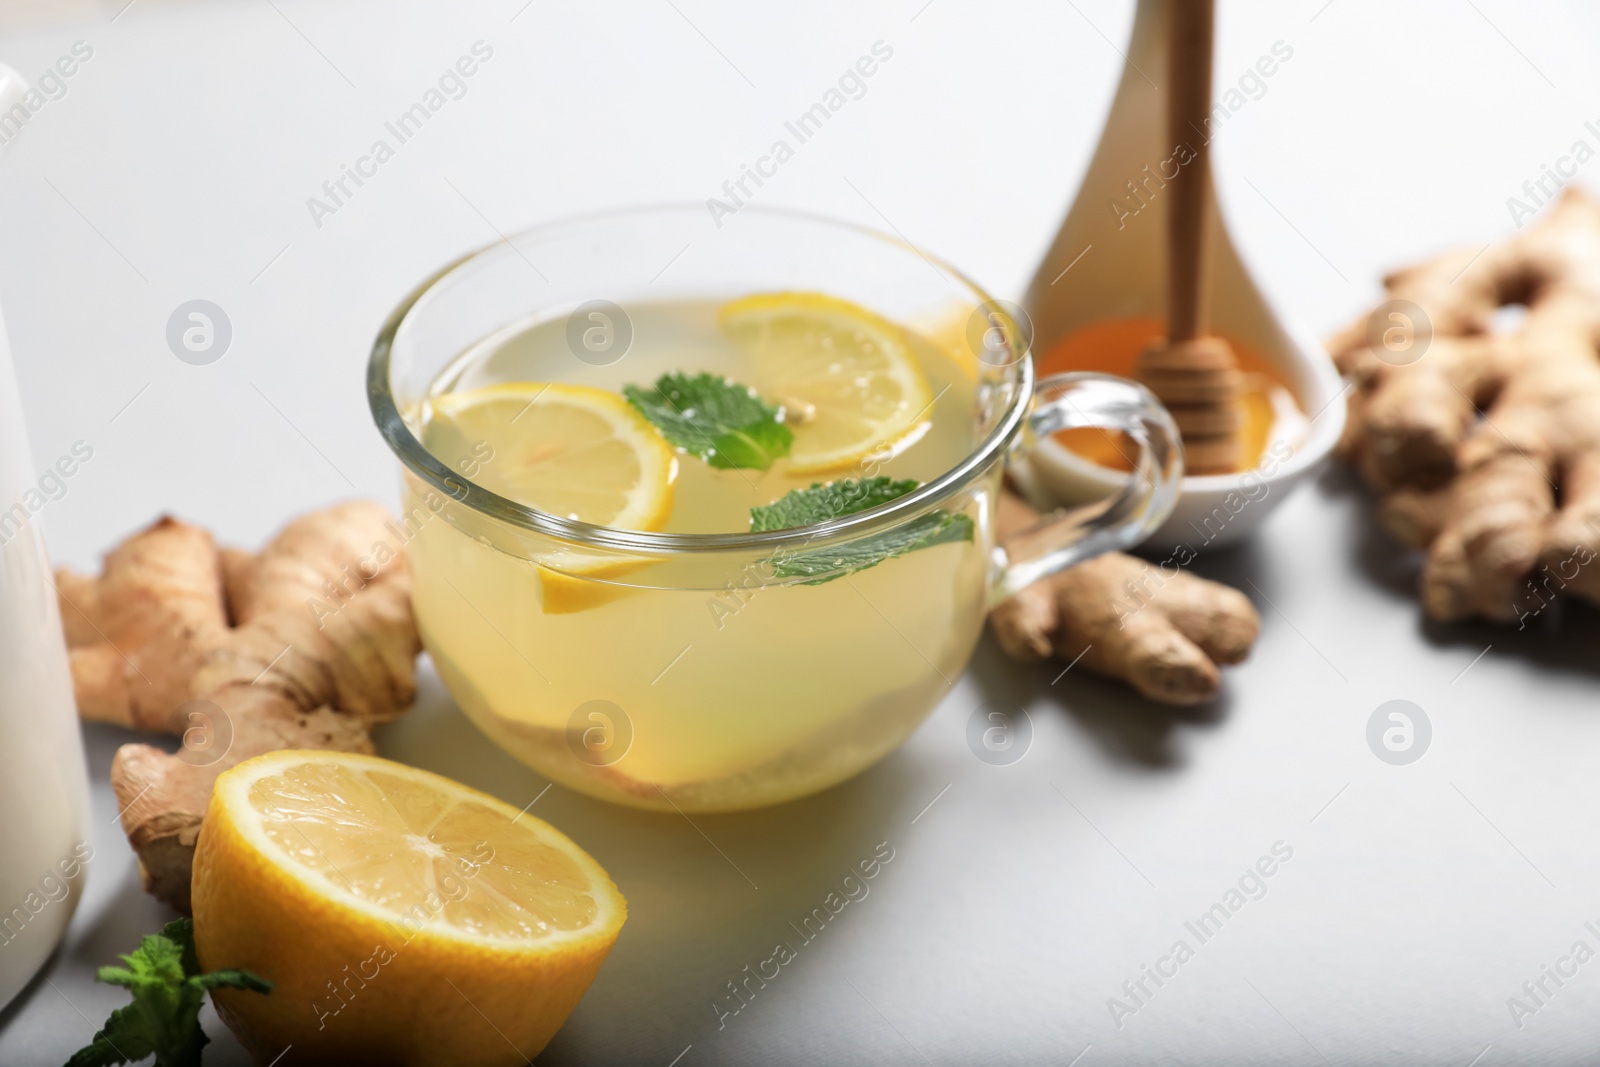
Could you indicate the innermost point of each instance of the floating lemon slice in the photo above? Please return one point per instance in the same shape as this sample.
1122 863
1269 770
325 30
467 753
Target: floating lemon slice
567 450
404 917
951 333
848 378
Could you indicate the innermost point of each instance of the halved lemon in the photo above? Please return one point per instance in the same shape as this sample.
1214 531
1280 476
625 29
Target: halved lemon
405 918
568 450
847 377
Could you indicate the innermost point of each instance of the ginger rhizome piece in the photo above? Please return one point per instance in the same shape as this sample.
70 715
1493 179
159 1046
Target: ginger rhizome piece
1165 632
306 644
1485 445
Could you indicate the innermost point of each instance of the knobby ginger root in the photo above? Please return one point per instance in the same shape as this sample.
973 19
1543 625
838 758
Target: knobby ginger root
1164 634
306 644
1486 446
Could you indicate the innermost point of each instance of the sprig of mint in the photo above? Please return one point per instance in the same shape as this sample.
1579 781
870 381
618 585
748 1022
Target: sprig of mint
724 423
163 974
819 503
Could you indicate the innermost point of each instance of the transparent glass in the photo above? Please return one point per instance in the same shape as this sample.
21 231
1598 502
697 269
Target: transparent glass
696 675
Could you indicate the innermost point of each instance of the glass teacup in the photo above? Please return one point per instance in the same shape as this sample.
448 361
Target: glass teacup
707 671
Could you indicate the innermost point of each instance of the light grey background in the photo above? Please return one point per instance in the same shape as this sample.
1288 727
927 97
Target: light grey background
1418 899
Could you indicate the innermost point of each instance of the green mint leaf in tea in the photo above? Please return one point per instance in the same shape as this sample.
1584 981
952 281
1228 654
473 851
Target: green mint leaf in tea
819 503
724 423
803 507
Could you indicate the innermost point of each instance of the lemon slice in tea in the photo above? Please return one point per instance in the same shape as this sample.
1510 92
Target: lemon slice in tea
568 450
847 377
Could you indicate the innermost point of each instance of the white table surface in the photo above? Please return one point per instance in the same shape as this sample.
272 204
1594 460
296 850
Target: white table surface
1418 899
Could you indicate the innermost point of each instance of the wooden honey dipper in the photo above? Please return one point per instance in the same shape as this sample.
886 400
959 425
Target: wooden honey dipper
1195 375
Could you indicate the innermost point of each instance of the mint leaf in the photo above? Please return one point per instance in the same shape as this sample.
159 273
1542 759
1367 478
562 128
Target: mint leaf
164 1019
819 503
231 979
802 507
925 531
124 1039
724 423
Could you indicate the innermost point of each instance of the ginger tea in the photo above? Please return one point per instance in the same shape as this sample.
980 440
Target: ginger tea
730 686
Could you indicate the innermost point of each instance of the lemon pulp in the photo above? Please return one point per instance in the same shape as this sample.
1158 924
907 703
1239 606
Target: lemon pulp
401 845
847 377
404 918
568 450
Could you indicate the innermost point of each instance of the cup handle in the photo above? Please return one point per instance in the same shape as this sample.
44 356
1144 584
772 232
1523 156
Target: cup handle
1079 399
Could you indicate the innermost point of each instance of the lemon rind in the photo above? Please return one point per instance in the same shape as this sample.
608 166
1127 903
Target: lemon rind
650 502
908 374
232 789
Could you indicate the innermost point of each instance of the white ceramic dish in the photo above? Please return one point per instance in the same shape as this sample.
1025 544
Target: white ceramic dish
1108 262
1221 509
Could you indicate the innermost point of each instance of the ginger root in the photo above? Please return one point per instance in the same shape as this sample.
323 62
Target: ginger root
1484 445
306 644
1164 634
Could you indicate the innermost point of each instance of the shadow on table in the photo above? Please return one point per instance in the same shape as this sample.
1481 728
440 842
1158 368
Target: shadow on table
1127 726
1564 636
707 894
24 997
116 912
1390 566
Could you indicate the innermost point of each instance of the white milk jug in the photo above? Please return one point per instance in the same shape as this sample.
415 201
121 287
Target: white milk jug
44 795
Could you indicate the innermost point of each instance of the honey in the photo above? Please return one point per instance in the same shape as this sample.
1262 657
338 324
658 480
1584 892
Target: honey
1111 346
